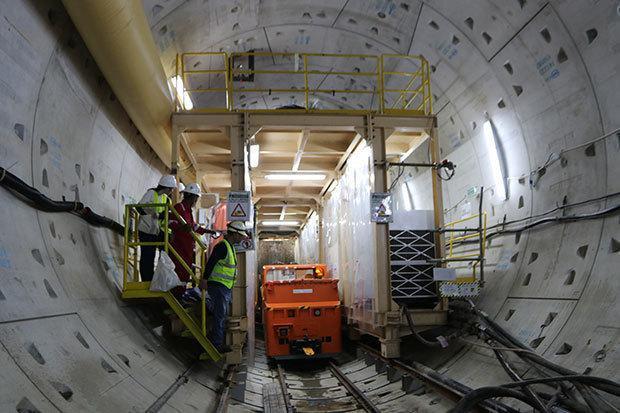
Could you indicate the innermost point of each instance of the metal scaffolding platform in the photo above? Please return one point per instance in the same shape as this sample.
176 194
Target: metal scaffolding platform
222 137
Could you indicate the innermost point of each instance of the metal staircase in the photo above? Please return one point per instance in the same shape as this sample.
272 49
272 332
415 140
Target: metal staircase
134 288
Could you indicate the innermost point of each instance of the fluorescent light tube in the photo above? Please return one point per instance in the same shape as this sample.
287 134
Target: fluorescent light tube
182 95
494 160
295 177
254 155
280 223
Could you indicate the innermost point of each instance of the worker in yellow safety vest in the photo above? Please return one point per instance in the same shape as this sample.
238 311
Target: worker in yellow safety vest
152 223
218 279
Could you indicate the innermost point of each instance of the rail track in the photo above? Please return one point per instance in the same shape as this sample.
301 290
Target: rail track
369 383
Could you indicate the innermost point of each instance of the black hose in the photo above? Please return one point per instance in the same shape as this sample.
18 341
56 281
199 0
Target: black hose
507 339
511 372
33 197
416 334
100 221
39 201
474 397
606 385
562 400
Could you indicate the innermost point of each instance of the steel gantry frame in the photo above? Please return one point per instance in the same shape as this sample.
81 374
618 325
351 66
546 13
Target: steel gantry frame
375 129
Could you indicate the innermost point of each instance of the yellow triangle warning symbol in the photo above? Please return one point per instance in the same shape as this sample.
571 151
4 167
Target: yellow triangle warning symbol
381 211
238 212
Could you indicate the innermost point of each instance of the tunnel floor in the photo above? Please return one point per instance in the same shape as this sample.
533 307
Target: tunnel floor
318 386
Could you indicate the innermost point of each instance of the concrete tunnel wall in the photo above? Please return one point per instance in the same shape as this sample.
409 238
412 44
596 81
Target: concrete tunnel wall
68 342
64 331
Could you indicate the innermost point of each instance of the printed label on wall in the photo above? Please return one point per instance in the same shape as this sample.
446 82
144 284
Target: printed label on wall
381 207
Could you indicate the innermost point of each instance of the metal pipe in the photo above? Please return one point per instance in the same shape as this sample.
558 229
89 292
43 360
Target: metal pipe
418 164
119 38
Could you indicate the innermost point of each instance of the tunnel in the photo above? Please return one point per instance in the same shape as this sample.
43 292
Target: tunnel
454 165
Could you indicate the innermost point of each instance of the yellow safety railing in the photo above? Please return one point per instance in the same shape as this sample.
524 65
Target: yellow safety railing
134 287
416 93
458 235
256 80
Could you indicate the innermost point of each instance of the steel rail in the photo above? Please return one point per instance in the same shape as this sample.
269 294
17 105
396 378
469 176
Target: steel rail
222 404
449 388
353 390
285 395
161 401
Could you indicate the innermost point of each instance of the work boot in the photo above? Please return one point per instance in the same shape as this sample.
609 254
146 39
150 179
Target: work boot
225 349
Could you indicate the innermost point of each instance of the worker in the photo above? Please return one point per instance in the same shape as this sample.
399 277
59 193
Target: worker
219 278
152 222
182 239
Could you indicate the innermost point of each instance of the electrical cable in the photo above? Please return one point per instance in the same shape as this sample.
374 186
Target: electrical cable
417 335
560 207
540 171
37 200
512 373
473 343
501 335
475 397
568 218
603 384
548 220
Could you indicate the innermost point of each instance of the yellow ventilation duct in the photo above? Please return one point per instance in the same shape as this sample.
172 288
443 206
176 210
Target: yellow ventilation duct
119 38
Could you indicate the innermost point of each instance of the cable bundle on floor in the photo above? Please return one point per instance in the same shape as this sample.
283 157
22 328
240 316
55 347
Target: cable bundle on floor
569 384
37 200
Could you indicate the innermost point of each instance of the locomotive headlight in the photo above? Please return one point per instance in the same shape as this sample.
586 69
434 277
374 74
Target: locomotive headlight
317 312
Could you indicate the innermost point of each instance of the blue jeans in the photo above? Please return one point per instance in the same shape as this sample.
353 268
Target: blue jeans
217 302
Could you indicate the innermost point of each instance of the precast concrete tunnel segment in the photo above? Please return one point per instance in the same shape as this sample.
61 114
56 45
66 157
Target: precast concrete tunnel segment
317 108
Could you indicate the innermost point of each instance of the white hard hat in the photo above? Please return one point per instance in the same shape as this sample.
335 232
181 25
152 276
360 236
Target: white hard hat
238 227
168 181
181 187
192 189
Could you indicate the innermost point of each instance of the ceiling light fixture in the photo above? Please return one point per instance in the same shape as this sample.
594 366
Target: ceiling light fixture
295 177
254 155
495 160
280 223
182 94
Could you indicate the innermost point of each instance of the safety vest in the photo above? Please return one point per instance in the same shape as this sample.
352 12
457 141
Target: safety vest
161 199
225 269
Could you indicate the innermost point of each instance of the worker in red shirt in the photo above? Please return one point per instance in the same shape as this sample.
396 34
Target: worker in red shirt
182 239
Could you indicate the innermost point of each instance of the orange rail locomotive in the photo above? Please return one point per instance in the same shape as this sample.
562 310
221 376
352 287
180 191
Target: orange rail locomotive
301 312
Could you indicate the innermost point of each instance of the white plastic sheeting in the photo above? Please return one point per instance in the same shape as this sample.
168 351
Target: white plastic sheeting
308 245
349 236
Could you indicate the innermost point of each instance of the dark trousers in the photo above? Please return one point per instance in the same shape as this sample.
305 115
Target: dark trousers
217 303
147 254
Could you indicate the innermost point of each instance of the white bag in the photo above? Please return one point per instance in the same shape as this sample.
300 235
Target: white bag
164 277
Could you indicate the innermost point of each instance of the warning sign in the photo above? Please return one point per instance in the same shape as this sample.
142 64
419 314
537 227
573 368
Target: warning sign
239 206
247 244
381 207
238 212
